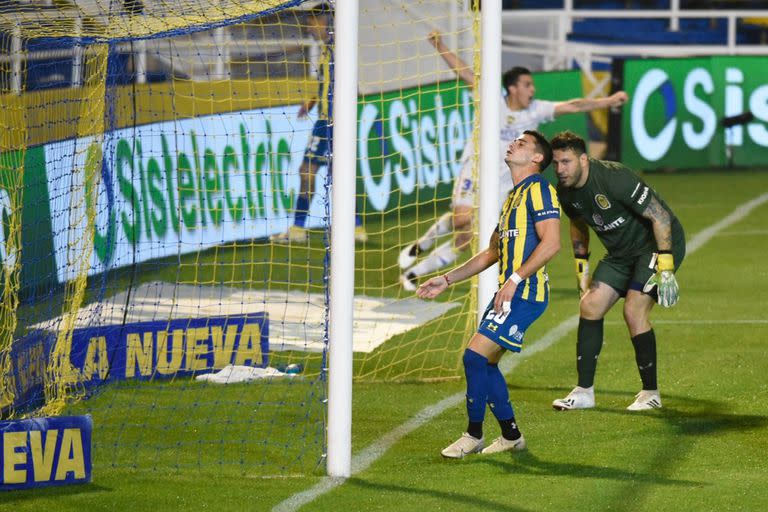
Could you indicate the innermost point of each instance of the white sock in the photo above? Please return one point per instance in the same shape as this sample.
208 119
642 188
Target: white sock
442 256
442 226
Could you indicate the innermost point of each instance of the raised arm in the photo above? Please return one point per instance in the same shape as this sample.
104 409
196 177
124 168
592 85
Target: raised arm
458 66
577 105
305 108
475 265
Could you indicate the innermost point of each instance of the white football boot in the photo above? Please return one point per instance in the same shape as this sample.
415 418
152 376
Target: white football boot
408 255
294 235
646 400
579 398
501 444
361 235
408 282
465 445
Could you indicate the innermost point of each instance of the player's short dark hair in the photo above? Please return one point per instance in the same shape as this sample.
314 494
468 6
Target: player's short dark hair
321 9
568 140
511 76
542 147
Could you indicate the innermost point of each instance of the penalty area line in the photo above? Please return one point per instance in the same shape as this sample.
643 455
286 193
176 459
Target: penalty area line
365 458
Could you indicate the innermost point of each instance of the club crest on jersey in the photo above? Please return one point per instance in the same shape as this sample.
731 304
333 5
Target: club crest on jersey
597 218
517 200
602 202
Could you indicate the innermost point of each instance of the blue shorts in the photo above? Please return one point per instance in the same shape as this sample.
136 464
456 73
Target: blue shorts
319 143
507 330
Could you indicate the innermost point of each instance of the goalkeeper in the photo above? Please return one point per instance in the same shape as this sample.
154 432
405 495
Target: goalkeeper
645 244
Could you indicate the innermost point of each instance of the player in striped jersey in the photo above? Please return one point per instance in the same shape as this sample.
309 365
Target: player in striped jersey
645 245
526 238
316 155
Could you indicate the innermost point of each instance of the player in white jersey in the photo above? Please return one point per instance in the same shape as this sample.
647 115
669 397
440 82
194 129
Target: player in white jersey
519 112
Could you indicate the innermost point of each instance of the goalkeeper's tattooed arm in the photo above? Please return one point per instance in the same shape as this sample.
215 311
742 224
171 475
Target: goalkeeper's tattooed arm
661 221
667 289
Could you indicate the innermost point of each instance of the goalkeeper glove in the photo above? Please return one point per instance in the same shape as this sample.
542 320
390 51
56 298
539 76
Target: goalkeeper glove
667 290
582 273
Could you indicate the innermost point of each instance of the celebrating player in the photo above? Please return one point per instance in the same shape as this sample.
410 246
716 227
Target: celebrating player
645 244
526 238
519 112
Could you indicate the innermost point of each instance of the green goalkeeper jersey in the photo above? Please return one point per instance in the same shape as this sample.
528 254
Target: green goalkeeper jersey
611 202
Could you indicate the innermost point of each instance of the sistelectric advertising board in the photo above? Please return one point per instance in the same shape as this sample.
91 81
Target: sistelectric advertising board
410 142
176 187
676 107
30 212
181 186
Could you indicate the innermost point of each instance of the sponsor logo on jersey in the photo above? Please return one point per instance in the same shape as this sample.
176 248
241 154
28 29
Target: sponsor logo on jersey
542 213
577 205
643 196
597 219
602 202
509 233
611 226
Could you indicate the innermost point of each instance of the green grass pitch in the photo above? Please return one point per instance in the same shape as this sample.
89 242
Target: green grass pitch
177 446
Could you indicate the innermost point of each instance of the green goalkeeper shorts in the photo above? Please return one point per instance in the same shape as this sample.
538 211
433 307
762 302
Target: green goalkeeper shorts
623 274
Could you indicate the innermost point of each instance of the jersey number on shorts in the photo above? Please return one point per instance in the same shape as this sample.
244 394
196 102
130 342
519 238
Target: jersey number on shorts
498 318
313 143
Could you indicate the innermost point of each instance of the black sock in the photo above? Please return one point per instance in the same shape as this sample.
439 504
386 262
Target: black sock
645 356
589 341
509 429
475 429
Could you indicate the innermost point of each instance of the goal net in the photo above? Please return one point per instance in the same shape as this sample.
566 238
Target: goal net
164 194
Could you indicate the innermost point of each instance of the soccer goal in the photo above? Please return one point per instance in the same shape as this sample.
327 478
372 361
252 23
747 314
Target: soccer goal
167 218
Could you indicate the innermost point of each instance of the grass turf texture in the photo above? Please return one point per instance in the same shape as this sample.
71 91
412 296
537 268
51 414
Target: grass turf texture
705 450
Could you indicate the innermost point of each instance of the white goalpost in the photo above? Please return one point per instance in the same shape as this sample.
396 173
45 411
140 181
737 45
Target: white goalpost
342 253
490 49
342 281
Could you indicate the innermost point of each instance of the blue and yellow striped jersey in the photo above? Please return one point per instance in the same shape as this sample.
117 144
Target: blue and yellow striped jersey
325 82
530 201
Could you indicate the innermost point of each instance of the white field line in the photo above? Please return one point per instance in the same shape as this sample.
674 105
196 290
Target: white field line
756 321
365 458
746 232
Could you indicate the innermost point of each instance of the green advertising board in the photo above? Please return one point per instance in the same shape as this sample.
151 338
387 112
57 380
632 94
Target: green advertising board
24 199
409 148
410 141
561 86
674 116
